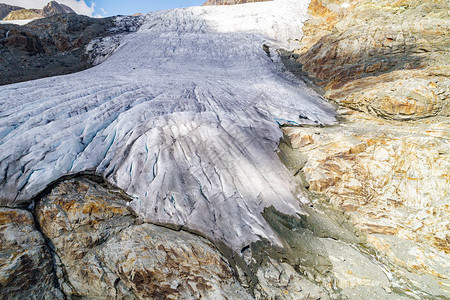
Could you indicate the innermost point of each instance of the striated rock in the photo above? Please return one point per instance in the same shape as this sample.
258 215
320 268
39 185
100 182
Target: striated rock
5 9
386 165
392 180
279 280
389 59
102 252
231 2
399 95
324 14
26 267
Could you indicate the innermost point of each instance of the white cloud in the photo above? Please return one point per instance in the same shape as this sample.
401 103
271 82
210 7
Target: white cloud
79 6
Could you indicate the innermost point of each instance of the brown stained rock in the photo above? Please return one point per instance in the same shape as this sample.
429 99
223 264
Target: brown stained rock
386 64
24 14
26 268
103 253
388 59
23 41
391 179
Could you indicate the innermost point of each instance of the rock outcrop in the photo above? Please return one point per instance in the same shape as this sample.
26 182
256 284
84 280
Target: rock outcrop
26 266
91 246
5 9
51 9
55 8
24 14
392 183
389 59
386 164
102 252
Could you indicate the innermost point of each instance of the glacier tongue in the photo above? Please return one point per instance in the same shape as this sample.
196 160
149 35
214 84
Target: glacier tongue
183 117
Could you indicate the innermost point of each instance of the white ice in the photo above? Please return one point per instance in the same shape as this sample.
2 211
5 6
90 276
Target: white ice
17 22
183 117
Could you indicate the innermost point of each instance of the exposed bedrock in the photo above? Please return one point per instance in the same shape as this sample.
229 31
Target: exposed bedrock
386 58
87 243
386 164
94 248
392 183
26 266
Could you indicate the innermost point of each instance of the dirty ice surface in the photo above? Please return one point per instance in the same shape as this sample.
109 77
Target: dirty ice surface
184 117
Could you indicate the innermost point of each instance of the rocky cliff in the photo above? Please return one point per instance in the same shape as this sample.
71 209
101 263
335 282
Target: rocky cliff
5 9
51 9
385 64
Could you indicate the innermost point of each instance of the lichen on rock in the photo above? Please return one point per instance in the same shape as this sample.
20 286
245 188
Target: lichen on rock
103 251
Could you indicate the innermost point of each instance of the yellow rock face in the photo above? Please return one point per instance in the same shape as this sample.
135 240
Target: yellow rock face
24 14
386 58
391 179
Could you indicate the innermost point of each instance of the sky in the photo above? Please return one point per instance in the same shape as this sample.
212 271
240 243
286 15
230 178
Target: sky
106 8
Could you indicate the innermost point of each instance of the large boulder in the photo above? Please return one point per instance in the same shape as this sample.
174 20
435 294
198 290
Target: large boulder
103 252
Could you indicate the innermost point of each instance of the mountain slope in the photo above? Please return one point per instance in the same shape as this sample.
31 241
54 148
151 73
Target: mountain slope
54 8
51 9
5 9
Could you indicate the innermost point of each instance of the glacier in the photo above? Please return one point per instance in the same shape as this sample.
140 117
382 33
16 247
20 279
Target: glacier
184 116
